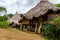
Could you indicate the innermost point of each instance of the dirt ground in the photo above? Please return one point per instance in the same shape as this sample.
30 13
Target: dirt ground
13 34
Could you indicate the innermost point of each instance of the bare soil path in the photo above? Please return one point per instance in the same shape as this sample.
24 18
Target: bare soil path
13 34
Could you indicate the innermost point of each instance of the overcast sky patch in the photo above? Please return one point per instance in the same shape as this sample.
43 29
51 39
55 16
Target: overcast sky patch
21 6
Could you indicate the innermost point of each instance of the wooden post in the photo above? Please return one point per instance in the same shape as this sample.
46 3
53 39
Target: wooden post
40 24
21 27
36 28
39 28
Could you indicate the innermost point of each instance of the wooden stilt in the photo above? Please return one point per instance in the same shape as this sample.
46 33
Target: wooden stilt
36 28
21 27
39 29
24 27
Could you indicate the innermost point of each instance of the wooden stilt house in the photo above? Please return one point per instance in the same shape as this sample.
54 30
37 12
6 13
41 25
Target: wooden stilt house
44 11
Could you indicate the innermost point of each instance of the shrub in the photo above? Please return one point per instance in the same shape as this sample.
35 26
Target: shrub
57 21
52 31
48 30
4 24
3 18
30 28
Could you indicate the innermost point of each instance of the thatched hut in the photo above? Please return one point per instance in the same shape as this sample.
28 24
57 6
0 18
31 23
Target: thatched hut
14 20
44 11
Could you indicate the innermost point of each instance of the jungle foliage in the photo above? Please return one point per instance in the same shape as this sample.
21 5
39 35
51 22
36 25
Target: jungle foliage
52 32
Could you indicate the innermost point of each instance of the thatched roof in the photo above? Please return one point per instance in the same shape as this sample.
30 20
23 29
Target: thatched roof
15 19
40 9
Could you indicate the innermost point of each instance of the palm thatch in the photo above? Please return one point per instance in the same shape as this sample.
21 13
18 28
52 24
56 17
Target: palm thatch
15 19
40 9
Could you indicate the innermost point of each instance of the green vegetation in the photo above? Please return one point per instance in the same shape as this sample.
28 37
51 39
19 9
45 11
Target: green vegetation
52 32
3 18
58 5
30 28
3 9
48 31
10 15
3 23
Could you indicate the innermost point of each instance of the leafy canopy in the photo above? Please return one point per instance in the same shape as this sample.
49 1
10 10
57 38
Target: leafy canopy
2 9
58 5
3 18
